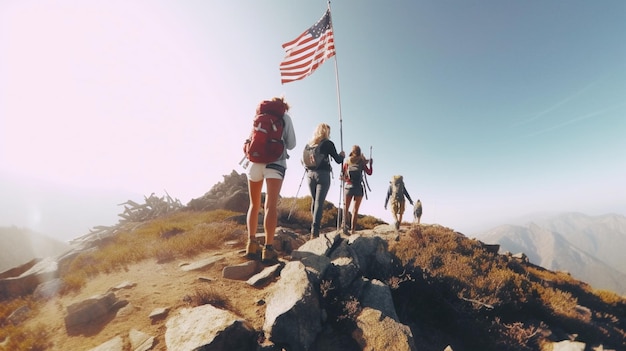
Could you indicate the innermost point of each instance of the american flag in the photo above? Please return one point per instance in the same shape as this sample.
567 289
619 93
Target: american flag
308 51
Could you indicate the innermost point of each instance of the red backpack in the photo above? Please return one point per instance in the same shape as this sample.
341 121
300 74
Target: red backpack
265 144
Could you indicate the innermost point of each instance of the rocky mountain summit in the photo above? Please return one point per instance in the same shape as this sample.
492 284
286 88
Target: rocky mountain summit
424 287
331 293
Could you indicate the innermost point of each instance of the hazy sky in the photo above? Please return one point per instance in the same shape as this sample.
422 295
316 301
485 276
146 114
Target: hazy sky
490 109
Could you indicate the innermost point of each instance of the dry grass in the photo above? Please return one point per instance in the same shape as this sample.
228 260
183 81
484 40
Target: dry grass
560 302
300 209
446 281
209 296
519 335
195 232
609 297
16 337
503 294
464 265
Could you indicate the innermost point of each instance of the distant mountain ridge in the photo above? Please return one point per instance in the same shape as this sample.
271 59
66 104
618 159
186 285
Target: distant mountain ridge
601 236
22 245
590 248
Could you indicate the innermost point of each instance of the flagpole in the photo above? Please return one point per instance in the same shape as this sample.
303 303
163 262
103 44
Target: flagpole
302 58
339 214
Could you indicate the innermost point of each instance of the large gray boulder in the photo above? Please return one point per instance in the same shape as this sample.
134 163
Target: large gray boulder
376 332
91 309
26 282
330 267
377 295
208 328
320 246
293 315
17 271
238 201
370 254
565 345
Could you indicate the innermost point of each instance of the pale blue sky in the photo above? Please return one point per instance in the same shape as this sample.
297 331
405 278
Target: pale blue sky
490 109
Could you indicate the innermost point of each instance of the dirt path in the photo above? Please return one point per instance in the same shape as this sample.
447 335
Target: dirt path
157 285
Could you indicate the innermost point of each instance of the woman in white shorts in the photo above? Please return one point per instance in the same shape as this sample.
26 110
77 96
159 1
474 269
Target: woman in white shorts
273 173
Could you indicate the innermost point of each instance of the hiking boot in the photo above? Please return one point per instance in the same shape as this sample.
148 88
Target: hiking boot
397 225
269 255
253 249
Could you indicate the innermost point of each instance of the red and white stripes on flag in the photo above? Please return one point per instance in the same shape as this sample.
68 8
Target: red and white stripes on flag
308 51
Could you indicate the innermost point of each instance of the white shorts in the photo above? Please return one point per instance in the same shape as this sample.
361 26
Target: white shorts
259 171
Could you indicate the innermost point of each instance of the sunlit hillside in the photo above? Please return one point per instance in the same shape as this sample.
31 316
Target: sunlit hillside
449 289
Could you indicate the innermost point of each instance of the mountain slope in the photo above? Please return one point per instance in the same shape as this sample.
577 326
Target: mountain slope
20 246
448 289
553 251
452 293
601 236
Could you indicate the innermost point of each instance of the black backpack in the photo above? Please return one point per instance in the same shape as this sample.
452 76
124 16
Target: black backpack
312 156
355 174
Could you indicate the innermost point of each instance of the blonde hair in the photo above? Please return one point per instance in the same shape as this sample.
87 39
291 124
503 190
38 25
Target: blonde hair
321 132
356 157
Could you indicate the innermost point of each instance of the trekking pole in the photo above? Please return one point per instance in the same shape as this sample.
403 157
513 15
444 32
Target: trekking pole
340 218
295 199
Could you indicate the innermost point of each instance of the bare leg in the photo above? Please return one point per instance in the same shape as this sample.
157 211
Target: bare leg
347 201
271 212
254 190
355 215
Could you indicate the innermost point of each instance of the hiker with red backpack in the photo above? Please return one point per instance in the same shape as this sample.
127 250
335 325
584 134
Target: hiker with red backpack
353 176
317 162
266 149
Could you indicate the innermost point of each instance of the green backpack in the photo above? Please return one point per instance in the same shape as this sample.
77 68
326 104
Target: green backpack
397 189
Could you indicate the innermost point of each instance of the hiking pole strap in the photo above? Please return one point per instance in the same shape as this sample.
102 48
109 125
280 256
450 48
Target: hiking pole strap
366 183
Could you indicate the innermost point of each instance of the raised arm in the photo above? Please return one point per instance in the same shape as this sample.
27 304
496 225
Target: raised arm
332 151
